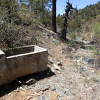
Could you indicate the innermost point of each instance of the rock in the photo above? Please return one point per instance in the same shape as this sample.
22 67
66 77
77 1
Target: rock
64 49
30 82
43 42
54 41
18 89
53 95
59 72
98 81
41 97
84 71
47 34
86 42
59 92
53 88
65 91
79 58
89 60
81 70
56 67
52 69
50 59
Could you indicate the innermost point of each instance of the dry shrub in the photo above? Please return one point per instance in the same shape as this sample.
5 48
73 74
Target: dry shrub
97 62
21 31
16 36
96 42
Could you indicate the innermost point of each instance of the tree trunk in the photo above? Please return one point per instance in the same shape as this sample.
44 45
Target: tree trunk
54 16
9 8
9 13
64 31
42 11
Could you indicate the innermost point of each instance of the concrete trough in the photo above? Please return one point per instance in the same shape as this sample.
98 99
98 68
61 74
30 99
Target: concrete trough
19 62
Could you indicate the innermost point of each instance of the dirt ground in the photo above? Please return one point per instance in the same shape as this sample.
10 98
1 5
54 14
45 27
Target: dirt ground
65 83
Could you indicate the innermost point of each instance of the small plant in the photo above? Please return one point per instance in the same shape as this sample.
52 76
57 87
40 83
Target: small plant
96 28
96 40
72 35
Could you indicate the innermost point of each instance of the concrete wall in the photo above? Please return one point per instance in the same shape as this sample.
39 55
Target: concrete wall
15 66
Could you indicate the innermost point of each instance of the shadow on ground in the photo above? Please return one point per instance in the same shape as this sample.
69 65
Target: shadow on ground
7 88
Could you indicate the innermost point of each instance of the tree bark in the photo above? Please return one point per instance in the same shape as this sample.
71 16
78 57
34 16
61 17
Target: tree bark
9 14
64 31
42 11
54 16
9 9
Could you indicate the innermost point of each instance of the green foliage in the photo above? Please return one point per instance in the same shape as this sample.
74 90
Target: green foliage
10 9
96 29
94 50
72 35
78 18
40 9
96 39
19 22
60 20
17 33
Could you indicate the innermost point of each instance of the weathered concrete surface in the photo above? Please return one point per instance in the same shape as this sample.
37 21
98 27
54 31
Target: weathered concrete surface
3 67
14 66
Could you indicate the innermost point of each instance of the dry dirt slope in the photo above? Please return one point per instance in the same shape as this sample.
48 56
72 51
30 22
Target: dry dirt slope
65 82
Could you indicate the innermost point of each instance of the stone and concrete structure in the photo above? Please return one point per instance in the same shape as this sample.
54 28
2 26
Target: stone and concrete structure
18 62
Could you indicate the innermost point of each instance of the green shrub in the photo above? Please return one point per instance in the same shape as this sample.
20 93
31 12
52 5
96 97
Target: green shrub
72 35
96 29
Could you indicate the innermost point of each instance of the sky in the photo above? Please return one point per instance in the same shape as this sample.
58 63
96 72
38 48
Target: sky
61 4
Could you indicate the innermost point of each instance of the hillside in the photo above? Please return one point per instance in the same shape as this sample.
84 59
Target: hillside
71 75
78 18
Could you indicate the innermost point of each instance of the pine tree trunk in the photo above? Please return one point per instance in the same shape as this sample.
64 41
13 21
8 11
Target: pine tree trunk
64 31
9 9
42 11
54 16
9 14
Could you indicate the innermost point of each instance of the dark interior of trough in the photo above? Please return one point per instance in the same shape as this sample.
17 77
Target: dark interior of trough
17 51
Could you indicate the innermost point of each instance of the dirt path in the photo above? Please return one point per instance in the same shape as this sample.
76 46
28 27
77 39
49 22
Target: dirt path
78 88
